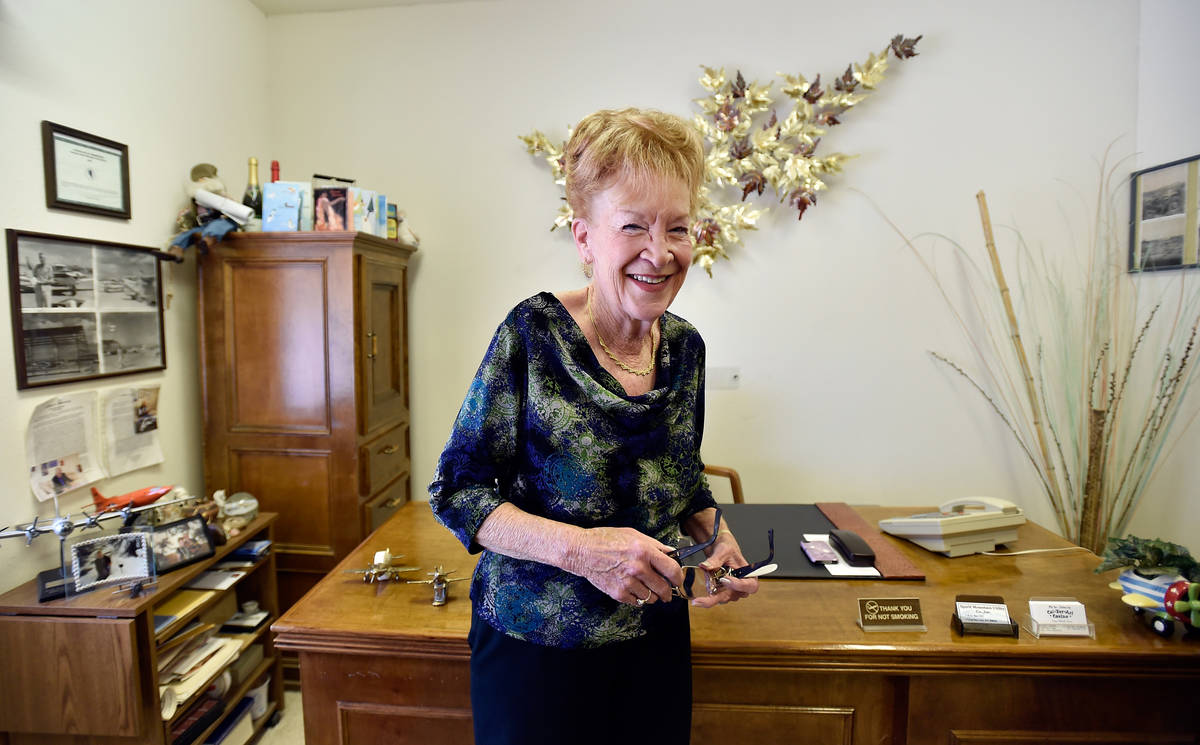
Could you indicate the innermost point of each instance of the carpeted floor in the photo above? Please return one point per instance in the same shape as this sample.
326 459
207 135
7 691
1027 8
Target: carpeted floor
290 730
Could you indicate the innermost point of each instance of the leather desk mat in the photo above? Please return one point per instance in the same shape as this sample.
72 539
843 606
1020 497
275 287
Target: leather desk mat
750 522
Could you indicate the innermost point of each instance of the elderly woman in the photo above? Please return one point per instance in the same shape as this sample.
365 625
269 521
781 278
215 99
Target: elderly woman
574 464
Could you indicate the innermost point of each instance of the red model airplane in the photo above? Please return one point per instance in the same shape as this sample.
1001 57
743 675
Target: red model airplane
139 498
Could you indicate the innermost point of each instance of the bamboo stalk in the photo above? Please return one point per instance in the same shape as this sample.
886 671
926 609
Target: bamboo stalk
1093 533
1015 335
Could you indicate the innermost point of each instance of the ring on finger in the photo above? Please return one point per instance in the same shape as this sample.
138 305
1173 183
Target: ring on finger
642 601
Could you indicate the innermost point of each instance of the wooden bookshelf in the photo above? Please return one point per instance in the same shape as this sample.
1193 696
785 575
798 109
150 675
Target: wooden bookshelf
86 667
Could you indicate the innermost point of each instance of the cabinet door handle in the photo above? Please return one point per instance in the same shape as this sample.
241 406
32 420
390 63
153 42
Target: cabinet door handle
393 502
388 449
374 345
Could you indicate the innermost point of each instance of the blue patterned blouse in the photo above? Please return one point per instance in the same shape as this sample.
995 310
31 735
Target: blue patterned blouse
545 427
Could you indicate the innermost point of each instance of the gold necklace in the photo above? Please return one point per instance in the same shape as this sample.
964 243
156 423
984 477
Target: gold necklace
653 346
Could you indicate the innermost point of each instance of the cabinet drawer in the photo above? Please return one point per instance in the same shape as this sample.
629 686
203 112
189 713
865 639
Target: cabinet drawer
383 459
383 506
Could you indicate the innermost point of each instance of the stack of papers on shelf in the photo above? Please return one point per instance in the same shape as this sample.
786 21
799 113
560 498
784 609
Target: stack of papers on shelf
252 550
216 579
194 628
241 623
190 673
233 564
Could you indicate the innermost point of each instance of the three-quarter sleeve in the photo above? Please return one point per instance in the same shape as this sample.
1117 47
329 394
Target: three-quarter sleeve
478 458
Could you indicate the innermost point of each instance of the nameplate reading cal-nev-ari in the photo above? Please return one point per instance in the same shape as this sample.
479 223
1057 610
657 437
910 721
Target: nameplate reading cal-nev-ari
890 614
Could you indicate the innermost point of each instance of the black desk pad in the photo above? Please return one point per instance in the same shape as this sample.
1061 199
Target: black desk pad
749 523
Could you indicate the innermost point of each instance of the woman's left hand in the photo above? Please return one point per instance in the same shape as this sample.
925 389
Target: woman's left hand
725 552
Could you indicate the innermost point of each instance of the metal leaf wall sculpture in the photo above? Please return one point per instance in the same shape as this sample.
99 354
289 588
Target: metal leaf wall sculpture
751 150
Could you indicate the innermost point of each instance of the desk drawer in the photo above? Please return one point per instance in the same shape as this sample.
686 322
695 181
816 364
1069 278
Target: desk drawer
383 506
383 459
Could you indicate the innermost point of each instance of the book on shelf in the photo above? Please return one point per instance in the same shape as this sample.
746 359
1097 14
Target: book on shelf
252 550
178 605
237 728
196 720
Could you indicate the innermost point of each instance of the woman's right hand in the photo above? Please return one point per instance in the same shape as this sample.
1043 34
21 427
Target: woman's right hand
626 565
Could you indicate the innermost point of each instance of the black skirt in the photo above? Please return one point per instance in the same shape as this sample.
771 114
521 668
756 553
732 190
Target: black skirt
633 691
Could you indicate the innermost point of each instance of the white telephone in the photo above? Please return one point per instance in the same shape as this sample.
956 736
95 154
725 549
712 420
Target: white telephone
960 526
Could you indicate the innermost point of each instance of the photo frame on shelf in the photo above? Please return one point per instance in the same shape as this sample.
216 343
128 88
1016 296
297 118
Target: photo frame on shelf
109 559
83 309
1164 229
85 173
180 543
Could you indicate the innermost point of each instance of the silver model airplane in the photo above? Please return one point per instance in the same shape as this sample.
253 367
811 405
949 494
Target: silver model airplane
440 580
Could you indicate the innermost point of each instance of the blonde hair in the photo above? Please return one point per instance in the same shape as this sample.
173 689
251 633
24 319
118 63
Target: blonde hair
638 144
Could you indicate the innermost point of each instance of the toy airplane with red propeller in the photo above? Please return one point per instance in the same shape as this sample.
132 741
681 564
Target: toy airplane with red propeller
1163 599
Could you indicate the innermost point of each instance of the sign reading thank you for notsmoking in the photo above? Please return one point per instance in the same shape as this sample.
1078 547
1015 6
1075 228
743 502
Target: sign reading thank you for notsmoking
890 614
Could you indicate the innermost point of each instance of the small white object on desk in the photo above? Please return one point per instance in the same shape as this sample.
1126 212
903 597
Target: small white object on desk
993 613
1058 617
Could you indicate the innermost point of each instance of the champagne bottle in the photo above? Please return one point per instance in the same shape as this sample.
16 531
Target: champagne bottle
253 196
274 171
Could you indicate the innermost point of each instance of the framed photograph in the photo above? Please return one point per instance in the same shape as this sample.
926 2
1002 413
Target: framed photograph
1165 203
180 543
123 557
83 309
84 172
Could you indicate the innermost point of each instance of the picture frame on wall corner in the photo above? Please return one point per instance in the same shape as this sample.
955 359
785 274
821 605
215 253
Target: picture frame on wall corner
1164 216
83 309
85 173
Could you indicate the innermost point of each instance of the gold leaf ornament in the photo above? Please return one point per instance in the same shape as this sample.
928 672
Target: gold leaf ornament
751 152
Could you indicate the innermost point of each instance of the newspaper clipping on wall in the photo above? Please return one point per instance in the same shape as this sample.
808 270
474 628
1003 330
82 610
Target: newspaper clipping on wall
131 429
60 445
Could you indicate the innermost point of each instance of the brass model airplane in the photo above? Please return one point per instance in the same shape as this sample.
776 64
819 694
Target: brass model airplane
382 568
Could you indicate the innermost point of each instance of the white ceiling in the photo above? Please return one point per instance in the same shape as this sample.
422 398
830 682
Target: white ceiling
283 7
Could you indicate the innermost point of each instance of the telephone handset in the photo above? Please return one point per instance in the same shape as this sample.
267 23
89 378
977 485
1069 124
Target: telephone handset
981 504
961 526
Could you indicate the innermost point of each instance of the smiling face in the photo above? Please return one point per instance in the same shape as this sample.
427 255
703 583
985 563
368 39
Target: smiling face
635 237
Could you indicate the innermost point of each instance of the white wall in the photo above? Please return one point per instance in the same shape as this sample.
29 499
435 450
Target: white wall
829 319
179 83
1168 113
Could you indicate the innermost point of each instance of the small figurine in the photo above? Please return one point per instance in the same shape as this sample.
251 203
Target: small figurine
210 215
440 580
382 568
235 511
404 232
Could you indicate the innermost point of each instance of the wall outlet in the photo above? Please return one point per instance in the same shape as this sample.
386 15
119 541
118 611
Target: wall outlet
723 378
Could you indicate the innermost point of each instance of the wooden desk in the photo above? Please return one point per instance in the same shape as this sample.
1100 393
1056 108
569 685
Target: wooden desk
378 663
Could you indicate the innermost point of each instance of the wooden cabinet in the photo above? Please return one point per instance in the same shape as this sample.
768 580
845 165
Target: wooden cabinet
85 669
304 348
